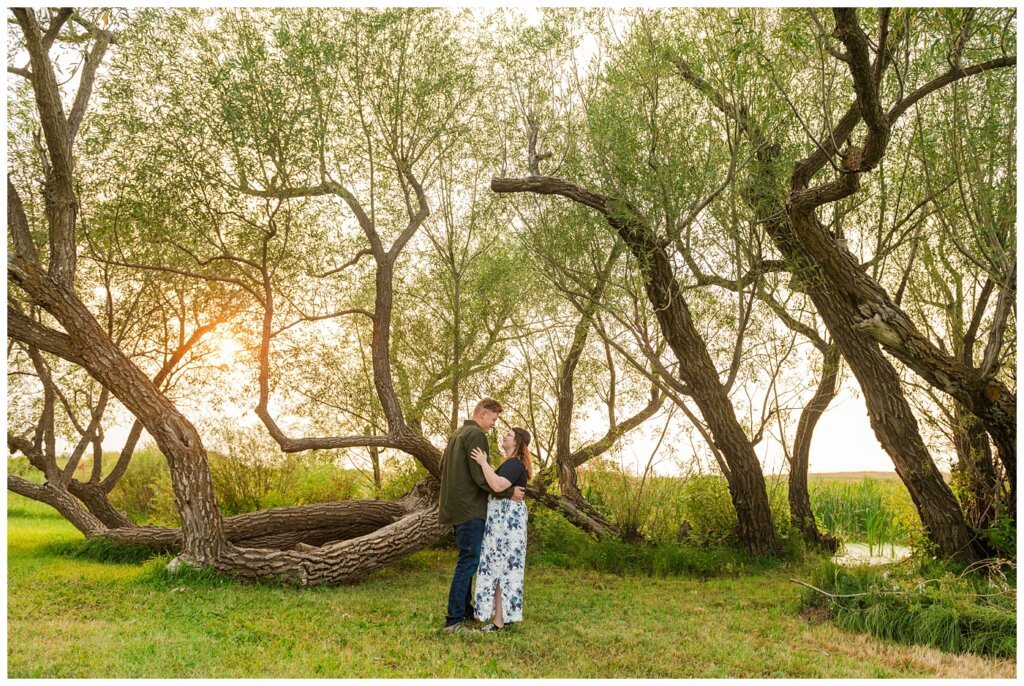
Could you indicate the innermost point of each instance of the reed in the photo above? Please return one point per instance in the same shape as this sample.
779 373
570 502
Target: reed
879 513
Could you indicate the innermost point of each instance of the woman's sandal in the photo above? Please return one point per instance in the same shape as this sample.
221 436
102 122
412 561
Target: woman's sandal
492 627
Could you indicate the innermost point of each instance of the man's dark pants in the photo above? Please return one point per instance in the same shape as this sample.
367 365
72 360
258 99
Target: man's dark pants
469 536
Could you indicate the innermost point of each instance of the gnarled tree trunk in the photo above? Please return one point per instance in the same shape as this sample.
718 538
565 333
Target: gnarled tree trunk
799 498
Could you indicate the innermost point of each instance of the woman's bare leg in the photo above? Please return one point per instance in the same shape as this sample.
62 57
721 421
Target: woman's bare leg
499 619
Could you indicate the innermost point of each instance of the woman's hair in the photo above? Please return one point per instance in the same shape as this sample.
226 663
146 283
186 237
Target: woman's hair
522 451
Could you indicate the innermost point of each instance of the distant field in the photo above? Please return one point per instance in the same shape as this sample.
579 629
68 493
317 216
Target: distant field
857 476
850 476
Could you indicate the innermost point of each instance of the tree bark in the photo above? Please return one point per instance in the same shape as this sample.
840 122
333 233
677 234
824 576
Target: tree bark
974 469
174 434
340 562
57 497
800 509
841 291
578 511
94 497
888 410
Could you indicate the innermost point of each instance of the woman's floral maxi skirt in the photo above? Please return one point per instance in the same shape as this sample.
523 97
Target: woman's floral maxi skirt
502 560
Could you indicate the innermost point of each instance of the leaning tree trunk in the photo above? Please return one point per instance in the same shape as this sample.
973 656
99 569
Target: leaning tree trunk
94 497
697 370
329 543
745 478
799 498
343 561
888 410
857 311
87 344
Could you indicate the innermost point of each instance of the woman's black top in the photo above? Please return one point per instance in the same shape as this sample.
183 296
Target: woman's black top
514 470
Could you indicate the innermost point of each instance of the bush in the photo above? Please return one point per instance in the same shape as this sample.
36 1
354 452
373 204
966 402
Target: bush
1001 535
20 466
144 491
399 478
652 507
943 606
709 510
552 537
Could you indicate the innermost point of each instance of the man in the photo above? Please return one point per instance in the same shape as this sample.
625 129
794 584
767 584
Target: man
464 492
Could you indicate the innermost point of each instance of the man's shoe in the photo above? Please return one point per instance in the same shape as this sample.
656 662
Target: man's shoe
459 628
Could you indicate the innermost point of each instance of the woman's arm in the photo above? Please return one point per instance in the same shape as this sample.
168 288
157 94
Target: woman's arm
497 483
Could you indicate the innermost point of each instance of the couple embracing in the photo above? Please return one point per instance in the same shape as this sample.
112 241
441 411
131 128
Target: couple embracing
487 510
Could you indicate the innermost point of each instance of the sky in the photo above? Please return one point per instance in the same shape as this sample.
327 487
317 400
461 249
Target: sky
843 441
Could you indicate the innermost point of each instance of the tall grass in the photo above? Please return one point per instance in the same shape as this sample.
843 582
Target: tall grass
877 512
949 608
696 510
555 541
243 483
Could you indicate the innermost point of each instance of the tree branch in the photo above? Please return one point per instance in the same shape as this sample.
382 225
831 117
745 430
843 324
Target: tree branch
23 329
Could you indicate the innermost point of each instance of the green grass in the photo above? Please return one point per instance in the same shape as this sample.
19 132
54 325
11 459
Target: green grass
926 603
74 617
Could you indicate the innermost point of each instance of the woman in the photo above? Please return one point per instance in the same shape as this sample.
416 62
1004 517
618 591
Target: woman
499 580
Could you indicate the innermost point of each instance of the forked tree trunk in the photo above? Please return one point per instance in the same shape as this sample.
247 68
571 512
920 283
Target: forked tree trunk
745 478
857 311
572 503
94 497
87 344
800 509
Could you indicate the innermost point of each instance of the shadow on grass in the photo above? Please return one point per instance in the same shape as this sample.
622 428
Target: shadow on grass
102 550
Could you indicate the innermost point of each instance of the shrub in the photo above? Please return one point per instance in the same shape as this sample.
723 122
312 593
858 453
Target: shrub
709 510
20 466
552 539
144 491
1001 535
402 474
319 481
652 507
248 480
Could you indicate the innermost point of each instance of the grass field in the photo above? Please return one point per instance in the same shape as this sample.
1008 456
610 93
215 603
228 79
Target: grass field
71 617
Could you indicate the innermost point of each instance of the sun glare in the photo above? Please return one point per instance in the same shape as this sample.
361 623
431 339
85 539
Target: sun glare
227 348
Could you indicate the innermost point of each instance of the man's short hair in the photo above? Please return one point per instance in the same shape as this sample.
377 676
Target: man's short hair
488 403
